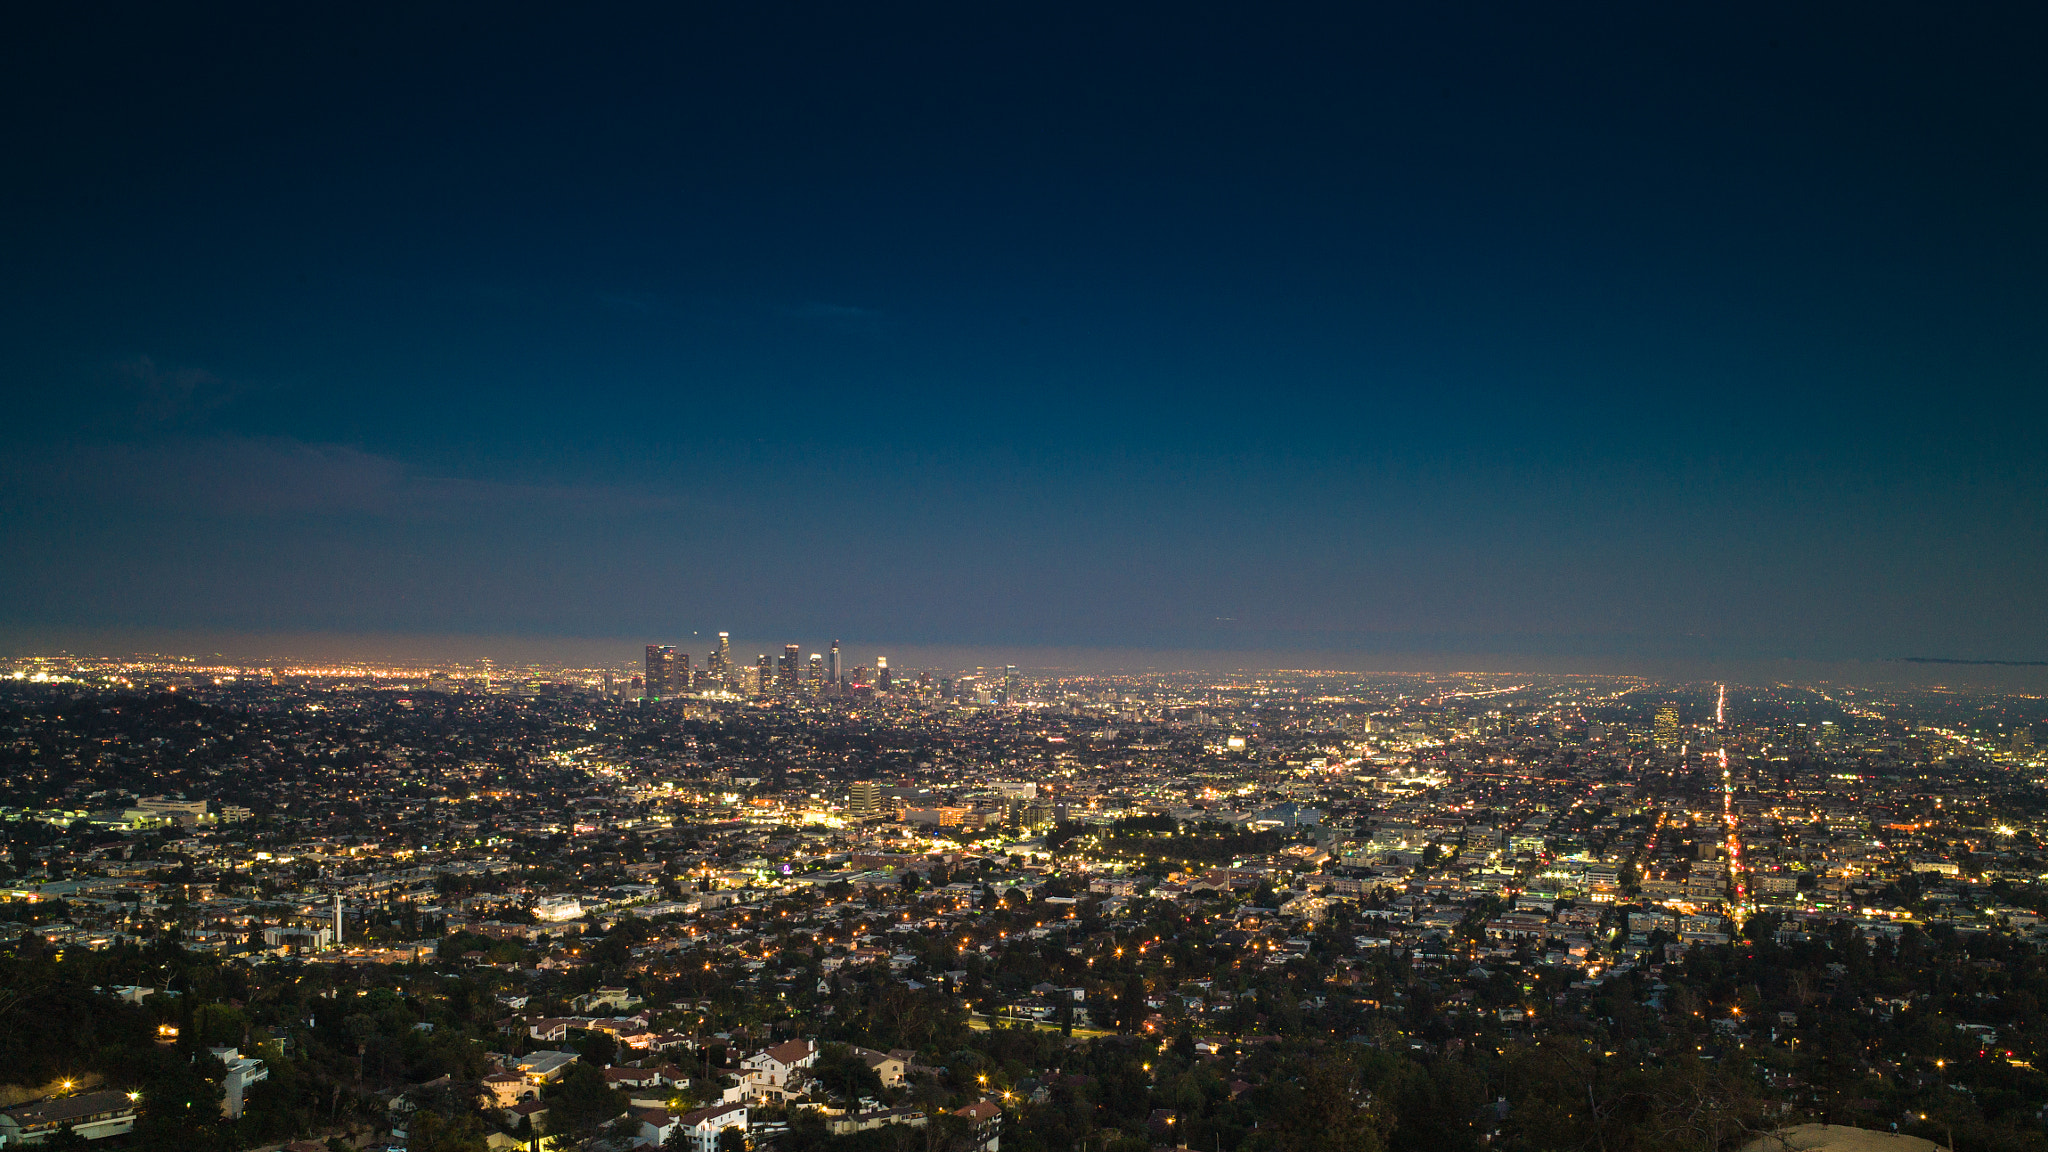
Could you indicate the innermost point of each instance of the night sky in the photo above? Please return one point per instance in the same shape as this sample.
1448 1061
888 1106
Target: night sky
1565 330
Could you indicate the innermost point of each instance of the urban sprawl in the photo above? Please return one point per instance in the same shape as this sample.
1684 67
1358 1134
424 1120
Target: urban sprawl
777 903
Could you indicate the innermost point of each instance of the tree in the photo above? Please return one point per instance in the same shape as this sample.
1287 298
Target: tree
1328 1109
429 1131
732 1140
65 1140
181 1107
846 1074
580 1103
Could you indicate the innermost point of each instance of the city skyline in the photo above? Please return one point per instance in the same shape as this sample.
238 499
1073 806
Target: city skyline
1005 577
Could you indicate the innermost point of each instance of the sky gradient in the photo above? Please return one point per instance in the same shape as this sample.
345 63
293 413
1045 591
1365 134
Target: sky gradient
1715 333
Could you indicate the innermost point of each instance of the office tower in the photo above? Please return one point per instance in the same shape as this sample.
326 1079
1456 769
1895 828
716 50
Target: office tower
1665 731
661 663
924 683
684 680
764 676
718 663
864 798
814 675
788 671
882 681
1009 683
832 664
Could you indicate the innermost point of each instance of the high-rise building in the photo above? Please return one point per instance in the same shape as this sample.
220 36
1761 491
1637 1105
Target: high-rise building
764 676
683 680
1665 730
832 664
1829 737
814 675
792 657
864 798
661 662
718 665
882 680
1009 683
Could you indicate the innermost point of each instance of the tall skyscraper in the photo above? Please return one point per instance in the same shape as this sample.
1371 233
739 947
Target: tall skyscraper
814 675
764 677
864 798
1665 731
792 657
1009 683
661 662
882 680
832 664
681 681
721 661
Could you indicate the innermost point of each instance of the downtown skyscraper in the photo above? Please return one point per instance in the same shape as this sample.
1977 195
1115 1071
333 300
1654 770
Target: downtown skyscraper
661 665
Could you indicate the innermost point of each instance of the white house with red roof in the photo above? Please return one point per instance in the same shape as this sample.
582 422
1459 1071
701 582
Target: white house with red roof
772 1072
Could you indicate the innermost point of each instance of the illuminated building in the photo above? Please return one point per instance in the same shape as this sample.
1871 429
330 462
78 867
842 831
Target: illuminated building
1666 729
661 663
864 798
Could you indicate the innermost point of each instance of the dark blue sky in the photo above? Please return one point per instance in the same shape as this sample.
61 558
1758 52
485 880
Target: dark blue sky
1573 330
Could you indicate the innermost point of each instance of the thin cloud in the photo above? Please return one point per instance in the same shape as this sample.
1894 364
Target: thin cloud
161 395
265 477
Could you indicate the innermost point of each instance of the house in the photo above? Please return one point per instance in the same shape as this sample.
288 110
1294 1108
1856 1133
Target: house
705 1124
768 1072
668 1075
985 1125
93 1115
878 1118
242 1072
550 1030
889 1066
546 1067
508 1088
618 999
657 1124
